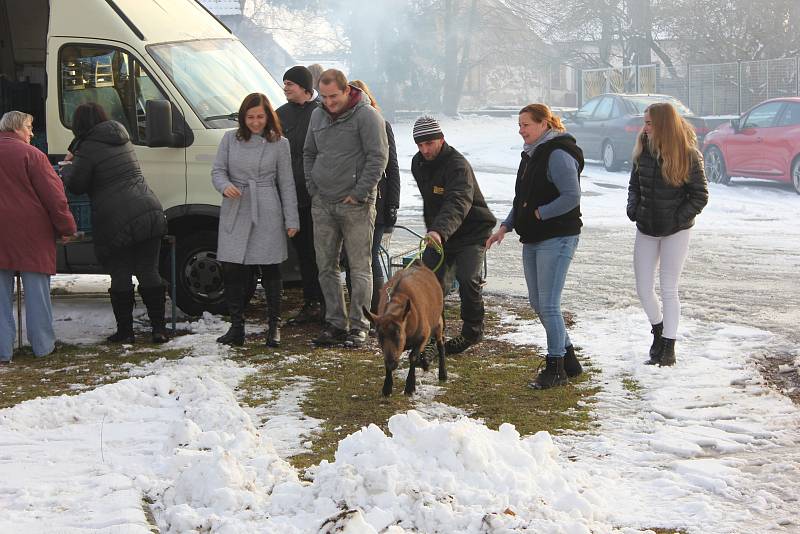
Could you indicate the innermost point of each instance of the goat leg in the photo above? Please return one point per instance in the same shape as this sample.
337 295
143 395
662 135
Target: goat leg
411 379
387 383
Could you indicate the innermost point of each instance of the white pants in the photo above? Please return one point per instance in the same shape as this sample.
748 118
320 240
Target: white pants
670 252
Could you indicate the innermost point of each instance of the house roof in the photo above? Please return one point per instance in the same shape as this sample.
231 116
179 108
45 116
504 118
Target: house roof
221 8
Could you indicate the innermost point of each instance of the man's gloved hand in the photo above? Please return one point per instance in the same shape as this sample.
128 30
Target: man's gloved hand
390 217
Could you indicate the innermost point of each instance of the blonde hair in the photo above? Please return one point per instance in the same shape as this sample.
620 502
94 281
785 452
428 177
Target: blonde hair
542 113
364 87
672 142
14 120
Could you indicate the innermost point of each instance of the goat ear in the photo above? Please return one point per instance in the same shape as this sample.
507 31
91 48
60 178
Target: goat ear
369 315
407 309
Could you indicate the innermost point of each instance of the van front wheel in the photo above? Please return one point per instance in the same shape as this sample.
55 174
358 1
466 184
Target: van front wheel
200 286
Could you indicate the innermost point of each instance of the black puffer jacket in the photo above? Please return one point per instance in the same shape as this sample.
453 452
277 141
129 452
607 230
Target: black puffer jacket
659 209
389 184
124 209
453 205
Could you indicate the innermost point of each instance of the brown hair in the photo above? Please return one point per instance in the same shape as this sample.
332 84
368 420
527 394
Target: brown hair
364 87
334 76
542 113
672 142
272 131
86 117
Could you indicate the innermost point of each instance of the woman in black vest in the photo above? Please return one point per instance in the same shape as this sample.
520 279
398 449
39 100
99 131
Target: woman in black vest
667 191
546 215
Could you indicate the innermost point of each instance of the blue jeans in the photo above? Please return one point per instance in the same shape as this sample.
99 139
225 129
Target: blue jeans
38 314
546 264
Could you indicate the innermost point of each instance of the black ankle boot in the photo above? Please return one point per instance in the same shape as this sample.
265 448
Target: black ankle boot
234 297
122 302
274 290
154 299
552 375
655 349
273 334
571 364
667 356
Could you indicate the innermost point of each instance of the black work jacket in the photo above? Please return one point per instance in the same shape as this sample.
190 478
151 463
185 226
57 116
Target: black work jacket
453 205
294 122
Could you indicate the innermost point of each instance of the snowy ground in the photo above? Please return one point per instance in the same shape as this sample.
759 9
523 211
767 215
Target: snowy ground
705 446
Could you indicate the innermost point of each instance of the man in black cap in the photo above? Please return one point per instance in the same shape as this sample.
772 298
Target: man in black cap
295 116
458 221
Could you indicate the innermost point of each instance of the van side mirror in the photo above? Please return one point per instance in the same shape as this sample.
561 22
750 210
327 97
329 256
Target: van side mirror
158 131
736 125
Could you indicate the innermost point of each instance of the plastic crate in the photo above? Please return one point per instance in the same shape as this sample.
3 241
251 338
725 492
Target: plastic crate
81 209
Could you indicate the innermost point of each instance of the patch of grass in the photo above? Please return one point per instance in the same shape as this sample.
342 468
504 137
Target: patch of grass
630 384
489 382
72 369
667 531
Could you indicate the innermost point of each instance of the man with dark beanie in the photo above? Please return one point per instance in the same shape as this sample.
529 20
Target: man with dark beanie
295 116
457 219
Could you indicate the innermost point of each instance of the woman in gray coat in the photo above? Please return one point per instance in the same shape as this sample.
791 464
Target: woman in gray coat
253 172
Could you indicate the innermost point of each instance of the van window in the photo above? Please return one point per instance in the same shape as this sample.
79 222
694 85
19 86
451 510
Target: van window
110 77
214 76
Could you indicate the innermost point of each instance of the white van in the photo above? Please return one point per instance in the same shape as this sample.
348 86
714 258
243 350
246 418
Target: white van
166 69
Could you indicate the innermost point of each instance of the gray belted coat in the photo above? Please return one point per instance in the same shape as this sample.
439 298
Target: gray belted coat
252 228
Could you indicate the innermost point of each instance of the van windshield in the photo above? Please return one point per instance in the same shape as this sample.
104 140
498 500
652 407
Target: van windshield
214 76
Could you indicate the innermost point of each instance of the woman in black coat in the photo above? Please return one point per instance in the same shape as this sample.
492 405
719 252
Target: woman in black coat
667 190
386 203
127 219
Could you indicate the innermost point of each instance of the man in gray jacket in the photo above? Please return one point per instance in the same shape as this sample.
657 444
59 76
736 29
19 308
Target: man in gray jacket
344 156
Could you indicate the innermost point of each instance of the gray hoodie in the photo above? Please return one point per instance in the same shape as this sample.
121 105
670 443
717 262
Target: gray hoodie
346 155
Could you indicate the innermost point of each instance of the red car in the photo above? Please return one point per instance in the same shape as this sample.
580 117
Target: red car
763 143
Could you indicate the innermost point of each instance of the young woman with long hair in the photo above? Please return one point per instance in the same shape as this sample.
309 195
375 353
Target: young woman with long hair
253 173
667 190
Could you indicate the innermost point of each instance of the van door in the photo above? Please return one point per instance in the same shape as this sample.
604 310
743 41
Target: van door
115 78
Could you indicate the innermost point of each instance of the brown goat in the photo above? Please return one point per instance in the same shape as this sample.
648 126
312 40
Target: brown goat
409 314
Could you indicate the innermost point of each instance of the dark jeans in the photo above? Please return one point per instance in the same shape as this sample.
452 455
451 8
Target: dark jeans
303 243
139 259
466 263
377 267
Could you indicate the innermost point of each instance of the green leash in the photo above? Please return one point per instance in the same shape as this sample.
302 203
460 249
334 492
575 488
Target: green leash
423 244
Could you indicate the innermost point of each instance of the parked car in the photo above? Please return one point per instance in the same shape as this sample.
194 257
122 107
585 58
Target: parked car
763 143
606 126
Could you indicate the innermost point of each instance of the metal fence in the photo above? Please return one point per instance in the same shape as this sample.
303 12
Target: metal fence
711 89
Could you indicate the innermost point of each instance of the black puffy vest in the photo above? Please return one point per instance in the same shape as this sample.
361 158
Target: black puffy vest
533 189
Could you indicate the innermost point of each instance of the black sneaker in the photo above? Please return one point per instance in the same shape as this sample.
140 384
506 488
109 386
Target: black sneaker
330 335
356 338
311 312
457 345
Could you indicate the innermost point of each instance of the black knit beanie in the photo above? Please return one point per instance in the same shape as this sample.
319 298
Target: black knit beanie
301 76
